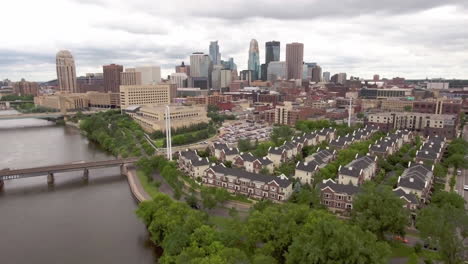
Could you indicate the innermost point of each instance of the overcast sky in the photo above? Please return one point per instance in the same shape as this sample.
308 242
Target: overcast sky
409 38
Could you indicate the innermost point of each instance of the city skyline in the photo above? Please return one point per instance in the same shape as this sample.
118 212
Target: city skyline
415 40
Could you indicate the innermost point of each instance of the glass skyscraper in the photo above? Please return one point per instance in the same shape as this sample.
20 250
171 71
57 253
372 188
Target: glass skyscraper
272 51
254 59
215 56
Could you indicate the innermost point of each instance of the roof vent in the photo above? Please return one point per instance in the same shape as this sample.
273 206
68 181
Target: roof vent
305 163
350 168
200 159
411 179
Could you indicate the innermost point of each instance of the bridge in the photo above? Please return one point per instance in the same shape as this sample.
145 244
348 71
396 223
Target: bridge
4 105
44 115
7 174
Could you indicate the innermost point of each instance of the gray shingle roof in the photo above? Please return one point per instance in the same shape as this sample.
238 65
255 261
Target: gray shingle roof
231 151
265 161
348 189
276 150
354 168
251 176
308 166
409 196
415 177
247 157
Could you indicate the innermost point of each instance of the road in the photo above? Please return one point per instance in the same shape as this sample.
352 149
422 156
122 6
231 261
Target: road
462 180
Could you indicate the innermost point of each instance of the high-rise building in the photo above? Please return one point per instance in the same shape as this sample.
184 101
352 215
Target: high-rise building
179 79
316 74
90 82
226 78
326 76
24 87
130 77
158 94
215 56
66 71
150 75
376 78
216 77
341 78
264 70
254 60
112 77
183 68
276 70
294 60
272 51
200 65
230 65
307 68
246 75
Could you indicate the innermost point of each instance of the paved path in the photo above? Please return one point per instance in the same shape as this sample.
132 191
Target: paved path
136 187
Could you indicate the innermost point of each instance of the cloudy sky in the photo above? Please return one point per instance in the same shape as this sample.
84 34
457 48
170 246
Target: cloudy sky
410 38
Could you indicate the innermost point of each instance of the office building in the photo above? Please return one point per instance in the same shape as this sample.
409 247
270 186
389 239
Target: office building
90 82
316 75
150 75
179 79
182 68
247 75
272 51
254 59
215 56
130 77
226 78
153 117
341 78
200 65
376 78
216 77
294 60
24 87
63 101
112 77
230 65
158 94
438 106
276 71
66 71
326 77
374 93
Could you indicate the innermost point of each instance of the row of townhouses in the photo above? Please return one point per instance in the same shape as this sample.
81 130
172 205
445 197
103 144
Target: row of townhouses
414 185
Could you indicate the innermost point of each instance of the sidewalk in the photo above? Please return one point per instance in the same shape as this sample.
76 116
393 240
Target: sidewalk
135 186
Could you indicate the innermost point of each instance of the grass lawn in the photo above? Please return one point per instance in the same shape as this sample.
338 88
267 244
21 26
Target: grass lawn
402 250
150 187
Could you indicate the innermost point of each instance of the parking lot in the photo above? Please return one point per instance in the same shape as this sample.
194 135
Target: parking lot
232 132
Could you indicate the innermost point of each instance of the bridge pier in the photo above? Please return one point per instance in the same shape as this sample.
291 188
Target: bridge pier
50 179
86 174
1 185
123 169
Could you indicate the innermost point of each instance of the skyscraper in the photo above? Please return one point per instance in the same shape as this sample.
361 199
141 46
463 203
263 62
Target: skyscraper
294 59
272 51
200 70
316 74
150 75
66 71
276 70
254 59
214 53
112 77
341 78
183 68
326 76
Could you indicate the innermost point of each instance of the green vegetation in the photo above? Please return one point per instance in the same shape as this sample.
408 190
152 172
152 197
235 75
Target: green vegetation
309 126
379 210
408 108
27 108
281 134
149 186
12 97
182 130
116 133
272 233
456 152
185 135
216 117
444 225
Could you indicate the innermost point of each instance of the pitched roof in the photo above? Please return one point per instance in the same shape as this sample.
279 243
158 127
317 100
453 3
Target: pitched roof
354 168
308 166
408 196
200 161
276 150
415 177
281 181
247 157
231 151
265 161
348 189
220 146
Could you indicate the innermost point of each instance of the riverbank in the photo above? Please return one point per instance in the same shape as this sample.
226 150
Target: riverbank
135 185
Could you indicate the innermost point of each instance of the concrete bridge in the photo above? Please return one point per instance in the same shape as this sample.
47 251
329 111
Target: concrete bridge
44 115
7 174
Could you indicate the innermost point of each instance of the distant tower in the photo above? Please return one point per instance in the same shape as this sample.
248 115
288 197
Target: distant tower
215 56
294 60
272 51
66 71
111 75
254 59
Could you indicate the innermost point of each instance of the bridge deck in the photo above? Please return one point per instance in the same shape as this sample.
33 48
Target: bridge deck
7 174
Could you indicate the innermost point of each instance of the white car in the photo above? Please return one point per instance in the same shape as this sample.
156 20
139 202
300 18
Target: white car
465 187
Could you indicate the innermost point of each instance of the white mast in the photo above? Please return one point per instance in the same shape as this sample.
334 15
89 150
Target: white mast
349 111
168 134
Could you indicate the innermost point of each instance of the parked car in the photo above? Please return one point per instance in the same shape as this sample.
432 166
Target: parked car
465 187
402 239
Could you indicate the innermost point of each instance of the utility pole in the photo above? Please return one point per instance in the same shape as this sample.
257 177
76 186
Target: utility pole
349 111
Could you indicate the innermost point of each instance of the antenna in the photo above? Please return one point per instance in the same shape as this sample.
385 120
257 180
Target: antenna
349 111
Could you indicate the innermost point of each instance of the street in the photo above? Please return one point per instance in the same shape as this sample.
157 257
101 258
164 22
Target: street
462 180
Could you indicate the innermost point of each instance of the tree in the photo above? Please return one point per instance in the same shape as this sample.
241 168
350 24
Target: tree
408 108
324 239
360 115
379 210
244 145
442 198
280 134
307 196
445 227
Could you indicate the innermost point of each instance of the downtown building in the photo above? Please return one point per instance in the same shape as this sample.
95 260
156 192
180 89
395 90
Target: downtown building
294 60
200 70
254 60
159 94
112 77
66 72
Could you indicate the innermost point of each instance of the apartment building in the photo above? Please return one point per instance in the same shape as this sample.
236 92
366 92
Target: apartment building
253 164
254 185
418 180
192 164
338 197
428 124
358 171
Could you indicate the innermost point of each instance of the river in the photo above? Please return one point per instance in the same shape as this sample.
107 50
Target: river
73 221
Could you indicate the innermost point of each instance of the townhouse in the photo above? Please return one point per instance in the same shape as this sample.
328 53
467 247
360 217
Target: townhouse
417 179
326 134
357 171
277 155
338 198
223 152
410 200
254 185
192 164
253 164
383 148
